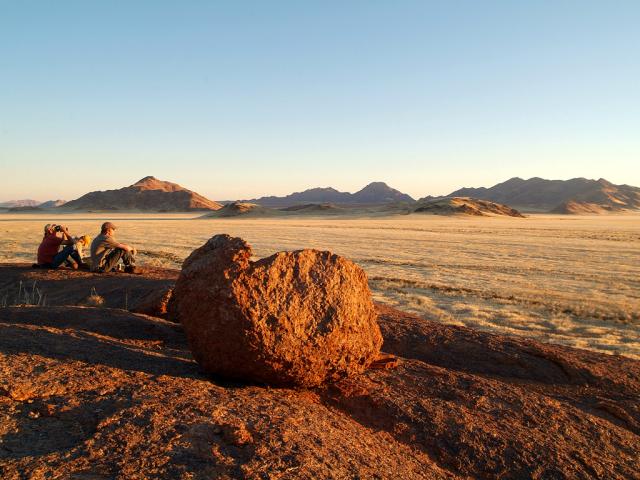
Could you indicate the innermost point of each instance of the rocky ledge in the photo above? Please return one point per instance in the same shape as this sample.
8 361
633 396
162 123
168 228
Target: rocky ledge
104 393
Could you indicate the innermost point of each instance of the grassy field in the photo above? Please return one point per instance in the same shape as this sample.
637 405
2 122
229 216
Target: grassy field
562 279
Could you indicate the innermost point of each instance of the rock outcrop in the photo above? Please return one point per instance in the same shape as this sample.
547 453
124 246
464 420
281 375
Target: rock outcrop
242 209
316 208
148 293
103 394
295 318
465 206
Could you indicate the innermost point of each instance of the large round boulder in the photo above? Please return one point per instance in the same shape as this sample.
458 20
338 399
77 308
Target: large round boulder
295 318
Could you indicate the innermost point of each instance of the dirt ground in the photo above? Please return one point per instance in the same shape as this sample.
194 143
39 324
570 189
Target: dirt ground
104 393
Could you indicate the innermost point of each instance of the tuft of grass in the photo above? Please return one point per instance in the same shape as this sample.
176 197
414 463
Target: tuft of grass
93 300
24 296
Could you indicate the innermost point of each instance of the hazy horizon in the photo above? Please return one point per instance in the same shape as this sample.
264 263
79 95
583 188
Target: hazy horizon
244 100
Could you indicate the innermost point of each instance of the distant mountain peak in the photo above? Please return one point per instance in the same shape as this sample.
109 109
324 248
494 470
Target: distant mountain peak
373 193
147 194
147 179
380 192
376 185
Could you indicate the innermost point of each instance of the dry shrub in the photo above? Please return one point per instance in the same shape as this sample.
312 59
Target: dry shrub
93 300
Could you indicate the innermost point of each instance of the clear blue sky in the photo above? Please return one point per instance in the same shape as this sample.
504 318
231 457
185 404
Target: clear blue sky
241 99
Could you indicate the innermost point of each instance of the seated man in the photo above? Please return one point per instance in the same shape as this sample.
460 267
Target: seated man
106 252
48 255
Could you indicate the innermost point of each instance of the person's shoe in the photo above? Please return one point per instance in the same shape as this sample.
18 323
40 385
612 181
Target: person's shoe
84 266
132 269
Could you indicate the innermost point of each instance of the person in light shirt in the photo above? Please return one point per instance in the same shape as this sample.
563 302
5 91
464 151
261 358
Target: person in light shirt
107 252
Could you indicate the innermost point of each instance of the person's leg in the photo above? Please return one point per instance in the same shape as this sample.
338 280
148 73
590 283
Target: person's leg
128 259
76 256
112 259
61 256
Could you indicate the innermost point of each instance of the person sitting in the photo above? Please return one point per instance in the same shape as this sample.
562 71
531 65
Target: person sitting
48 254
80 243
106 252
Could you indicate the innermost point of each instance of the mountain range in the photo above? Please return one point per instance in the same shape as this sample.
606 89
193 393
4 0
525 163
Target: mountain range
28 205
575 196
147 194
27 202
578 195
372 194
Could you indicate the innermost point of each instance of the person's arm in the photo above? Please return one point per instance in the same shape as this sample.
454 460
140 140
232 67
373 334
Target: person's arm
66 236
114 244
124 246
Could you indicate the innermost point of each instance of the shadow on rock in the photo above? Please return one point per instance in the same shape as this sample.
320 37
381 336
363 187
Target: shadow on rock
116 339
477 426
72 287
45 427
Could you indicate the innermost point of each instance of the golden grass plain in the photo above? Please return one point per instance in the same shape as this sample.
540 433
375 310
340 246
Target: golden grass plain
571 280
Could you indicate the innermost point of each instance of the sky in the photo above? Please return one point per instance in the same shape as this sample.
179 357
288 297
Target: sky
237 100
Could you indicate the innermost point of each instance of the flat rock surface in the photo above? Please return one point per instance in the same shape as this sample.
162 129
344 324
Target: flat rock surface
99 393
73 287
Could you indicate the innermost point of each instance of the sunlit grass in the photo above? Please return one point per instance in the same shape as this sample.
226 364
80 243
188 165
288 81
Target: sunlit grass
568 280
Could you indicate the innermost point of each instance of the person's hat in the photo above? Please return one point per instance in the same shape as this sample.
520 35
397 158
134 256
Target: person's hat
106 225
48 227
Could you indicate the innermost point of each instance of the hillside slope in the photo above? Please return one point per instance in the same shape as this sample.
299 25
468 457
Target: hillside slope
147 194
538 194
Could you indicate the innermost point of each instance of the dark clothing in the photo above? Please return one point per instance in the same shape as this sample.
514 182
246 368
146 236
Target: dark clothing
112 258
63 256
48 248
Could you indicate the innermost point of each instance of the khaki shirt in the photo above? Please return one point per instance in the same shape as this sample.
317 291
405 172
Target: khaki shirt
100 248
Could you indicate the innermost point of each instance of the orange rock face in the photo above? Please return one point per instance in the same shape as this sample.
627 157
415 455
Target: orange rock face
295 318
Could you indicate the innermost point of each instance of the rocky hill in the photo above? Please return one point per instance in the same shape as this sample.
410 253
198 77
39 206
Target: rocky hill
464 206
242 209
147 194
577 194
377 193
107 393
372 194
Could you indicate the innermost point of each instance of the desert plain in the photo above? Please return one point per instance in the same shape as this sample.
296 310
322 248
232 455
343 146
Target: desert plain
569 280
